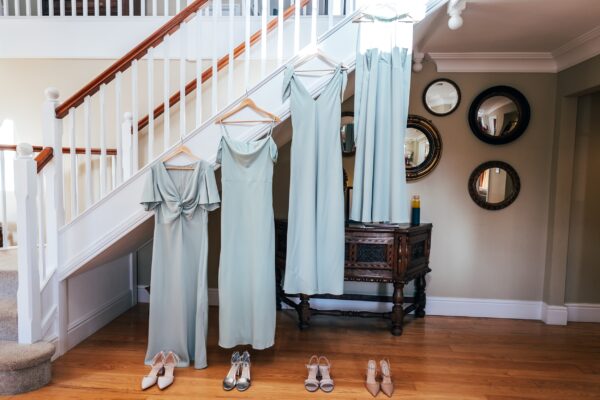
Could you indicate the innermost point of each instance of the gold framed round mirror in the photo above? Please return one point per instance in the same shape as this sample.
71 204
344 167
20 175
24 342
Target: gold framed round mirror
494 185
422 147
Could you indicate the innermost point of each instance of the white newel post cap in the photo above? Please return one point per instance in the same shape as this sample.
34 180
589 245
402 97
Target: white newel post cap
51 93
24 150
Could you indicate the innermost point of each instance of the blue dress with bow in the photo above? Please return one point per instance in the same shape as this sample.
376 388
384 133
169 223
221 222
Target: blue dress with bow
181 200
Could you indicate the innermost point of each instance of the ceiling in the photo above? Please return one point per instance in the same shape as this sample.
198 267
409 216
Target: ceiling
550 27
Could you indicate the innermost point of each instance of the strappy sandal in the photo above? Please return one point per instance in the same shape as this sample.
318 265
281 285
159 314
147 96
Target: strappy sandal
326 383
371 382
171 361
387 386
312 383
158 365
230 380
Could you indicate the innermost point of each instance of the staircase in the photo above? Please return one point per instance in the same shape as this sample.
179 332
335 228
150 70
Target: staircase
69 220
23 367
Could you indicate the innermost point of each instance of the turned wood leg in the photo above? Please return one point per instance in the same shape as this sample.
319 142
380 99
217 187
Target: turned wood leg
420 297
397 309
303 311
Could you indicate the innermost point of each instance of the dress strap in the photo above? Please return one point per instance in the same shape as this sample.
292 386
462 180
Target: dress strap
287 79
224 131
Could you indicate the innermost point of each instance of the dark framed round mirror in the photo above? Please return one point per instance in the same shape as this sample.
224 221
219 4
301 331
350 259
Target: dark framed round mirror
494 185
499 115
422 147
441 97
347 134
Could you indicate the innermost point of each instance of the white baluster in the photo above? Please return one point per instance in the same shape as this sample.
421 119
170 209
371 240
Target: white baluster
96 7
198 71
166 8
182 77
280 31
296 26
51 8
6 10
74 172
119 174
119 8
73 8
166 94
85 8
330 11
247 45
40 223
177 7
154 8
230 65
87 129
134 106
39 7
255 7
130 8
17 8
61 8
126 156
28 296
142 7
263 39
103 163
108 11
3 198
313 22
215 73
28 8
150 104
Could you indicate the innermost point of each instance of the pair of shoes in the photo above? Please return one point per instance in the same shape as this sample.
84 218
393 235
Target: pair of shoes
163 368
239 373
318 375
373 385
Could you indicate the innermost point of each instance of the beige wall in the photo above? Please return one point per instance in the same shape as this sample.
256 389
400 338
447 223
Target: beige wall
583 262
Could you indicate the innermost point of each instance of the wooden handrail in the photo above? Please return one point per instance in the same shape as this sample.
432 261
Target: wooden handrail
65 150
43 158
222 63
122 64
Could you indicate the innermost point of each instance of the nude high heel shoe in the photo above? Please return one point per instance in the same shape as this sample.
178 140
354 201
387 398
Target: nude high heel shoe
371 383
167 379
312 383
157 369
231 378
326 383
387 386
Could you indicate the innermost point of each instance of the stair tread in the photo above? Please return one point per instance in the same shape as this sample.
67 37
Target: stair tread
8 308
14 356
8 260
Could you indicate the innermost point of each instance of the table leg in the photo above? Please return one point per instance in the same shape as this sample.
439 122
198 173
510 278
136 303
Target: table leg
303 311
398 309
420 297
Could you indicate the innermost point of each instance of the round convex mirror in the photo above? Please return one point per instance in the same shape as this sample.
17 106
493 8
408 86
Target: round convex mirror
441 97
494 185
422 147
347 134
499 115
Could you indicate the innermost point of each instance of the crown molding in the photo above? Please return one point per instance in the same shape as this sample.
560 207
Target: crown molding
540 62
578 50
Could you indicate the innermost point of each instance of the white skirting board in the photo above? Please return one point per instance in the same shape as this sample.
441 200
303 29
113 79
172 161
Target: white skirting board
457 307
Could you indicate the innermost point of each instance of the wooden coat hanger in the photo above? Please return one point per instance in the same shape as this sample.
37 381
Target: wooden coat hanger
181 149
247 103
323 56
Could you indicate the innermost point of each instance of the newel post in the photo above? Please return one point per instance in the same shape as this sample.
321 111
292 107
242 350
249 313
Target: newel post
28 294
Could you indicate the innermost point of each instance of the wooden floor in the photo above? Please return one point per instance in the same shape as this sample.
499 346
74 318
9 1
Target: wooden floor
436 358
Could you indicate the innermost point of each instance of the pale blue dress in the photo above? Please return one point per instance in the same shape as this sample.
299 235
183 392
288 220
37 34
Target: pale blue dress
180 200
381 97
315 238
247 301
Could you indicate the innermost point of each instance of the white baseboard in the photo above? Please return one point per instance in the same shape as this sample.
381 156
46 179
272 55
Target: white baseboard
142 294
85 326
583 312
554 315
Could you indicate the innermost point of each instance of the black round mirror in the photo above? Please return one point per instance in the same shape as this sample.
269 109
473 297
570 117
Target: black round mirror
422 147
494 185
347 134
499 115
441 97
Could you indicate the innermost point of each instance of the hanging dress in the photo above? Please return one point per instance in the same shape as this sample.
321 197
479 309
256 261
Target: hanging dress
315 238
381 97
247 265
181 200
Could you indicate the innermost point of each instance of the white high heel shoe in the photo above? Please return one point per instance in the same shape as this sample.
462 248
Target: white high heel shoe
157 369
170 363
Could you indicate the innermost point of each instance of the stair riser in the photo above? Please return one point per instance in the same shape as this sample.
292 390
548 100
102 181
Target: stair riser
8 328
8 284
25 380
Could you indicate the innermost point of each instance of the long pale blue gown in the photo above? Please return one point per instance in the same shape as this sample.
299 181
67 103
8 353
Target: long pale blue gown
181 200
379 192
247 302
315 238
